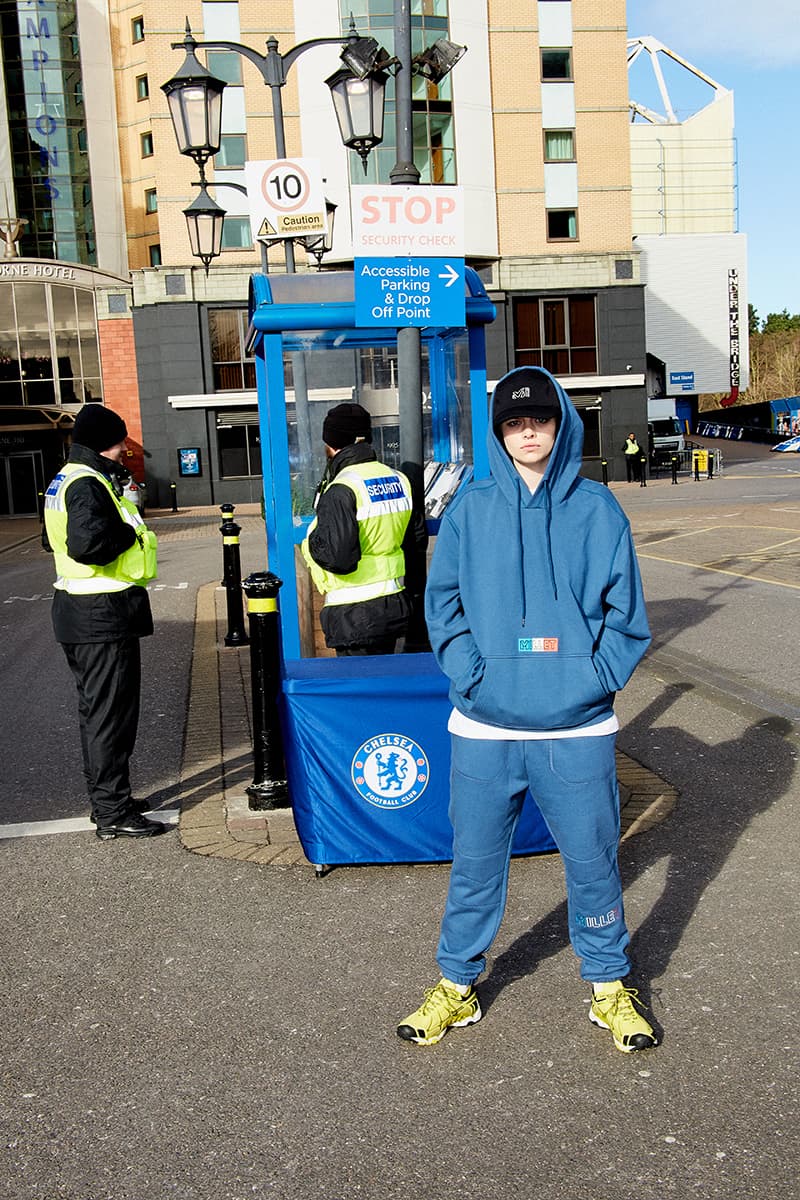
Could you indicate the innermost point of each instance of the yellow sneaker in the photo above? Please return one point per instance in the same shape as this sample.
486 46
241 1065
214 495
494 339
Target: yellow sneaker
613 1008
442 1008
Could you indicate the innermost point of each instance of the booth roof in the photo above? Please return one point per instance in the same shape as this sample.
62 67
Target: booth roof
326 300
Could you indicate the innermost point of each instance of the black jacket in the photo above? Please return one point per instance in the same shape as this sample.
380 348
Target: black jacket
96 535
335 544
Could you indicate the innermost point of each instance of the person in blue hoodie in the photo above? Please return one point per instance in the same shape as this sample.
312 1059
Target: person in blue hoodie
536 614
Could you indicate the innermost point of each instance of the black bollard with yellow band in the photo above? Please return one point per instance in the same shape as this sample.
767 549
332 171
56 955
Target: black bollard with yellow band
232 577
268 789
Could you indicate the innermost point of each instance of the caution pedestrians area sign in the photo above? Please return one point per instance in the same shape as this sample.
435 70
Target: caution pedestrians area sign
401 292
285 198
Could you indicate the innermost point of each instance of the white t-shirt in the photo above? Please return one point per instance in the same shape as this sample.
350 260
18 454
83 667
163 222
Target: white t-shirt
467 728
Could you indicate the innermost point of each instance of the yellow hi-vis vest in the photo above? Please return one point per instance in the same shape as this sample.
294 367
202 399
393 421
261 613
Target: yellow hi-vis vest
383 510
136 565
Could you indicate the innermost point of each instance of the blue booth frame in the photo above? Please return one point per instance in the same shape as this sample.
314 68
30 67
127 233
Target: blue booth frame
365 739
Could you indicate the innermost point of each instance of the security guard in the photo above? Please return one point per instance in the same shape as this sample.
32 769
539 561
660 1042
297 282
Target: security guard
104 558
356 547
633 454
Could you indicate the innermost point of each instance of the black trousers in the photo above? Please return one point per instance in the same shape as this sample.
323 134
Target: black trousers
385 645
632 468
108 678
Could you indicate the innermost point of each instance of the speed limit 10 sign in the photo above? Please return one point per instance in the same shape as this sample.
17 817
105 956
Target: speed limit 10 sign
285 197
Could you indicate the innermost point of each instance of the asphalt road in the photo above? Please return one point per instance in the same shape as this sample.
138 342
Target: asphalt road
178 1026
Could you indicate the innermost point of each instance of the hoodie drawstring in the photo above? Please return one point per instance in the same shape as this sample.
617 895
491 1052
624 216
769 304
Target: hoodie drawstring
548 514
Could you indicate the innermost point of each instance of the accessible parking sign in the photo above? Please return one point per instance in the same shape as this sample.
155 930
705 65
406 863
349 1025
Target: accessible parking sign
402 292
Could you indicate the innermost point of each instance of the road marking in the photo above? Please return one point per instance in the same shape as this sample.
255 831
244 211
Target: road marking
689 533
158 587
678 562
169 816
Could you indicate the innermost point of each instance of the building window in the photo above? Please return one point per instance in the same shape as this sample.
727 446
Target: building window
82 140
232 370
236 233
556 64
142 87
562 225
150 200
559 145
154 252
146 143
137 29
238 445
49 352
232 151
432 103
225 64
557 334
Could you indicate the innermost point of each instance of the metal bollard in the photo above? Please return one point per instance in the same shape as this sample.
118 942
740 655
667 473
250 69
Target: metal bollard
643 471
174 490
696 458
674 468
269 788
232 577
604 465
711 464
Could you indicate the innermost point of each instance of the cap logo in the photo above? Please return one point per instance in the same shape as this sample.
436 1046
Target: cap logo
523 393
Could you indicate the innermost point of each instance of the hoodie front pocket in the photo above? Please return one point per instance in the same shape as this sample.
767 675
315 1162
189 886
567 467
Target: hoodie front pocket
540 691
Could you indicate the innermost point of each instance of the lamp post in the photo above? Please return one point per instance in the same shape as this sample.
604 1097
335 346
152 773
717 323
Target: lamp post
433 63
195 102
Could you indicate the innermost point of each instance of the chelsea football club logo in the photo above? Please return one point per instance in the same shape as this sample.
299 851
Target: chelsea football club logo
390 771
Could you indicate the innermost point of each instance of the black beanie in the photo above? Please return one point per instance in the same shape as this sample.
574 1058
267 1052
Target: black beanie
98 428
525 392
345 424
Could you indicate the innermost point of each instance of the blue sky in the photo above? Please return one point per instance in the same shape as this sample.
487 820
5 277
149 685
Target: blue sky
753 48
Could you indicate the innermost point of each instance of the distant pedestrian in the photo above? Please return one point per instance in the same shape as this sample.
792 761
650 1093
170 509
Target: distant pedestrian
365 525
104 557
536 615
633 454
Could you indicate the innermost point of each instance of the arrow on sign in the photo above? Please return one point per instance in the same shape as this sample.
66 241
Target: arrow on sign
451 275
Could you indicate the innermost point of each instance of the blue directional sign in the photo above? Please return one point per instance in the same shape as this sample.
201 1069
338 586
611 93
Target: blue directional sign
410 291
682 379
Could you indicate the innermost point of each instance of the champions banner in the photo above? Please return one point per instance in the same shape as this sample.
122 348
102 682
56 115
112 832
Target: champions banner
368 761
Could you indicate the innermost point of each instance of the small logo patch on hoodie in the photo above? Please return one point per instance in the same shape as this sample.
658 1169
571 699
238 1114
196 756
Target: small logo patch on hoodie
546 645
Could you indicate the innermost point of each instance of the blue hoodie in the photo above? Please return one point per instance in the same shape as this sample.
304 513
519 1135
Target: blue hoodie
534 602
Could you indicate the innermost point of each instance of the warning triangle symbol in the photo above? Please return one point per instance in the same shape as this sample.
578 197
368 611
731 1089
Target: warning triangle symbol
267 230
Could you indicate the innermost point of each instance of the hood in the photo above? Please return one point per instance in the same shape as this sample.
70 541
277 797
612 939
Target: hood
560 475
565 461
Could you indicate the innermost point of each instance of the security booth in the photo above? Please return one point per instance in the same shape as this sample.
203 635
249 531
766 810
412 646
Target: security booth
365 739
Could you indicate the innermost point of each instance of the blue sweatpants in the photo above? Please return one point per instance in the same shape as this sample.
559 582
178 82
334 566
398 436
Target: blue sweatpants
574 783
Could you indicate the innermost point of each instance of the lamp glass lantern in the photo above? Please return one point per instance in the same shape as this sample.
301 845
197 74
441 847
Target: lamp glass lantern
204 221
194 96
358 104
320 244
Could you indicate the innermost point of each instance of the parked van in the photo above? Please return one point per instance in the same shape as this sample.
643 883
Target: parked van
665 437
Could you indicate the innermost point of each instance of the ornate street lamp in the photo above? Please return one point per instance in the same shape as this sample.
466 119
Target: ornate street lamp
204 221
358 103
319 244
194 97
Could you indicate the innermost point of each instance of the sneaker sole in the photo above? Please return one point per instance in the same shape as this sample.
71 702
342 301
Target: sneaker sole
431 1041
601 1024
